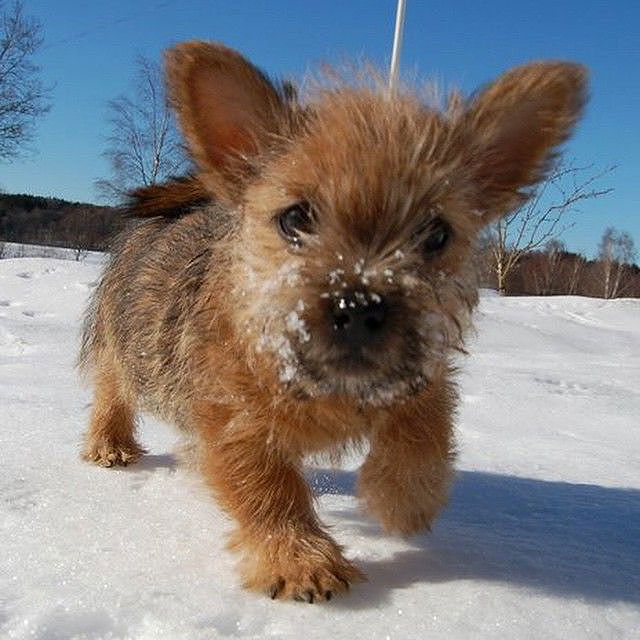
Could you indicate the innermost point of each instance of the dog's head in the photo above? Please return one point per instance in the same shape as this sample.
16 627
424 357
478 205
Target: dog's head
358 210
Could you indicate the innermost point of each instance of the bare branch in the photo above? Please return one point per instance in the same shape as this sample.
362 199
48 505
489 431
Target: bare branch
616 251
144 146
23 98
541 219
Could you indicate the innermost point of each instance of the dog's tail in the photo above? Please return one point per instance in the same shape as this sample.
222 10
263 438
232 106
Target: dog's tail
172 199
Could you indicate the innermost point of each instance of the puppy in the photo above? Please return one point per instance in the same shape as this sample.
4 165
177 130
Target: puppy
307 288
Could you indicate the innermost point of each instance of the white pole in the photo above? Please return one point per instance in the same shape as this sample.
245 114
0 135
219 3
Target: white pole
397 46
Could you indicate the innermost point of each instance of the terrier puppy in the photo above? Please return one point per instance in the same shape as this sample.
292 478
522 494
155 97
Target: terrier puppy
307 289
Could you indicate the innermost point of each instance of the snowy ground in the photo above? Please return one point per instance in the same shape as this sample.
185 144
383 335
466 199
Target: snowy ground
541 538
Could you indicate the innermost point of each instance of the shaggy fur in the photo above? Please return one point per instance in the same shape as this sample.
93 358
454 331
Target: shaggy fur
210 318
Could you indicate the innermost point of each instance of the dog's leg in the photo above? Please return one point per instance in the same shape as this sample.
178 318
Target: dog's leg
405 479
110 438
285 552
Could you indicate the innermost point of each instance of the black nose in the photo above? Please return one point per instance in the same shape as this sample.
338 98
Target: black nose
358 317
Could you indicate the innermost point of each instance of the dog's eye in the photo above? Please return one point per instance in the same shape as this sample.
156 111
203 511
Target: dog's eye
295 221
435 236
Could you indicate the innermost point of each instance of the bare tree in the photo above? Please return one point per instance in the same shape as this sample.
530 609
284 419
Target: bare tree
77 232
616 252
23 97
144 146
573 275
541 218
546 271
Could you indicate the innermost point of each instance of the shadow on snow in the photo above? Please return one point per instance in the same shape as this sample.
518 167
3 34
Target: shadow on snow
575 540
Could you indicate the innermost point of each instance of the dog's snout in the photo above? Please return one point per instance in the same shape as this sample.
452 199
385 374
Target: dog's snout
357 317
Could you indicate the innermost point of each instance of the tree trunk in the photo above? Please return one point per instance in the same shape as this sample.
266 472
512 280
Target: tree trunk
607 280
500 277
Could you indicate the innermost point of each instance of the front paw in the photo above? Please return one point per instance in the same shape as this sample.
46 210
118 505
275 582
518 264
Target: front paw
405 508
107 453
404 520
308 569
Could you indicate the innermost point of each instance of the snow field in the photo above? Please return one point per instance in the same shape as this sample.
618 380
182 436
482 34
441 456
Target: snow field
541 538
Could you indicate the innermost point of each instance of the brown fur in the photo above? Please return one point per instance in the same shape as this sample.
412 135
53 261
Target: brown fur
207 317
172 199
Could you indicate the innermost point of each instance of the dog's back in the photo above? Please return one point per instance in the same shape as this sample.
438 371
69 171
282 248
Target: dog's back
142 319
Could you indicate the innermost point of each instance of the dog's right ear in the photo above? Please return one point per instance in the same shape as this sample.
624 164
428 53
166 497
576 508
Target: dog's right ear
515 127
227 109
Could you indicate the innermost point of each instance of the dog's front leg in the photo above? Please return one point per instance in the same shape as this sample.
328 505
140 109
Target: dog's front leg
405 479
285 551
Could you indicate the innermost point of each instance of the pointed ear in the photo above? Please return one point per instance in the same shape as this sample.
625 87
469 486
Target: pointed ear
226 108
514 128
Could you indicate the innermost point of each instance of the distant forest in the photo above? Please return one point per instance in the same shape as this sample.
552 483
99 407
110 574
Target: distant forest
556 271
87 227
56 222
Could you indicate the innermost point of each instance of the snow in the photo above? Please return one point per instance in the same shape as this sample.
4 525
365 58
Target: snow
541 538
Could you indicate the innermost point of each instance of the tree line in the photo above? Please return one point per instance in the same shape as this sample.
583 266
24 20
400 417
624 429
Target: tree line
550 270
55 222
553 270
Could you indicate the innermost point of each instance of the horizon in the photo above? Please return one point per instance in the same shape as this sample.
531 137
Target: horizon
89 52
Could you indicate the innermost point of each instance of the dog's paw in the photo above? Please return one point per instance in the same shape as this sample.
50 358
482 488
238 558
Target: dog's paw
404 503
311 583
403 515
109 454
408 522
313 571
405 518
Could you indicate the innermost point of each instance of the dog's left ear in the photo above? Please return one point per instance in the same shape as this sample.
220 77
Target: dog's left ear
227 110
513 129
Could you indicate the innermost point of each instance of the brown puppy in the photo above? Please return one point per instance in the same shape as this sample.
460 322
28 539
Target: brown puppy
307 289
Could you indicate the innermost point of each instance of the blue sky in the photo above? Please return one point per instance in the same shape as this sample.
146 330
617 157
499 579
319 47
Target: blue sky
90 48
